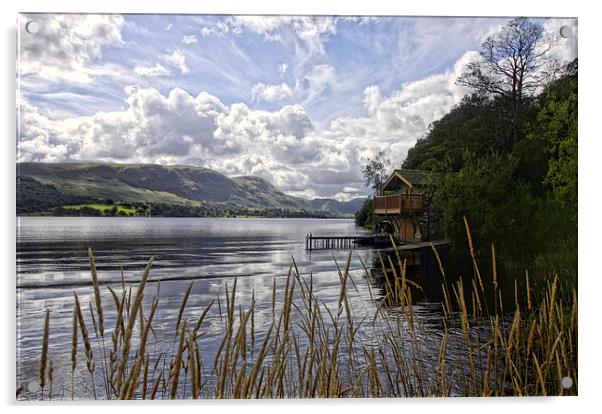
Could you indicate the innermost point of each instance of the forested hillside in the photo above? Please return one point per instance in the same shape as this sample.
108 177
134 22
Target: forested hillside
518 194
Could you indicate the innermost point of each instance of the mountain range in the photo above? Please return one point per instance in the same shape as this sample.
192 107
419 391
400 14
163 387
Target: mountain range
50 184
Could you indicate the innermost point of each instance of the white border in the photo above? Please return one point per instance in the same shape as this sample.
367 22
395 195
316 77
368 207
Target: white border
589 157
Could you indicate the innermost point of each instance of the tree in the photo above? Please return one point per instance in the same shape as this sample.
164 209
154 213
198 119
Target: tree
375 171
513 64
477 124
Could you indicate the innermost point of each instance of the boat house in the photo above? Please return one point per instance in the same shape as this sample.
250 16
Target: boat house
404 204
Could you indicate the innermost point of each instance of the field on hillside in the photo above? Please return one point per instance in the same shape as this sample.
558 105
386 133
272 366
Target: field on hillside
102 208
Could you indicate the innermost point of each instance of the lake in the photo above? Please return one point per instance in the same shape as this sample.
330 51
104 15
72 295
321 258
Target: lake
52 264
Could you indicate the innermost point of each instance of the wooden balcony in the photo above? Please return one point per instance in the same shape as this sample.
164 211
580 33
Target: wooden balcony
399 204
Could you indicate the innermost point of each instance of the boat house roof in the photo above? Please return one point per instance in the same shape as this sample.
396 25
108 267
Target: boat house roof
411 178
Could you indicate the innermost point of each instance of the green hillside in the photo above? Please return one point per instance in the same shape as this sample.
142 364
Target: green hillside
178 190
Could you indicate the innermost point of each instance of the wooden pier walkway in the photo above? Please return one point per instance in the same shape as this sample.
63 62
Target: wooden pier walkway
344 242
351 242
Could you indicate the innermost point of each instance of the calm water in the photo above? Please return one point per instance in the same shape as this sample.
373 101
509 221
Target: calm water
52 264
51 251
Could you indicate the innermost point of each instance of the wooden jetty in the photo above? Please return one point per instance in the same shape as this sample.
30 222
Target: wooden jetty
350 242
345 242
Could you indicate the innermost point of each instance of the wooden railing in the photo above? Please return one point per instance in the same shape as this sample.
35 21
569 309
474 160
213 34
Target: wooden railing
399 204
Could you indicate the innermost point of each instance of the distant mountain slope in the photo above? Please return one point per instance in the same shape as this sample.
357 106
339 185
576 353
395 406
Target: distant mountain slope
257 189
150 183
338 208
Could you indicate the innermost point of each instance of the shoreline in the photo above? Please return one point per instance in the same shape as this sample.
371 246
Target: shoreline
189 217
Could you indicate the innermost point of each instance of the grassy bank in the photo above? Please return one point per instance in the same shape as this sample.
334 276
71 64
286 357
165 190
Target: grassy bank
311 350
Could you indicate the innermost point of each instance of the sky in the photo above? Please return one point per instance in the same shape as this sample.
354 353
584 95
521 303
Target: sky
302 101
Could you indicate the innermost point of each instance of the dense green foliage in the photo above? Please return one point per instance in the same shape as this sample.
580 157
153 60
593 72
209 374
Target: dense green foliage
556 126
520 195
176 210
33 196
478 125
100 208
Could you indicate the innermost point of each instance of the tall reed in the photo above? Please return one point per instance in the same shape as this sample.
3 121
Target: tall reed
44 355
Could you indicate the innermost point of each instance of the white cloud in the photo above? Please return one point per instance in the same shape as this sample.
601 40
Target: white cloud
178 60
168 27
35 136
310 31
151 71
66 46
319 80
189 39
320 77
282 69
271 93
282 146
218 28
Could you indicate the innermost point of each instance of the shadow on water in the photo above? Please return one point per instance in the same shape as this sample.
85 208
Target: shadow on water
422 272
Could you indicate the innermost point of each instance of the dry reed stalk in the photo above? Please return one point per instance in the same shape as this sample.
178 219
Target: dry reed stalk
199 368
97 295
118 333
182 306
441 360
122 279
127 336
73 351
93 320
194 374
156 385
438 258
494 266
540 379
145 377
87 344
44 354
273 297
99 311
177 365
197 326
50 378
473 255
131 382
248 387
